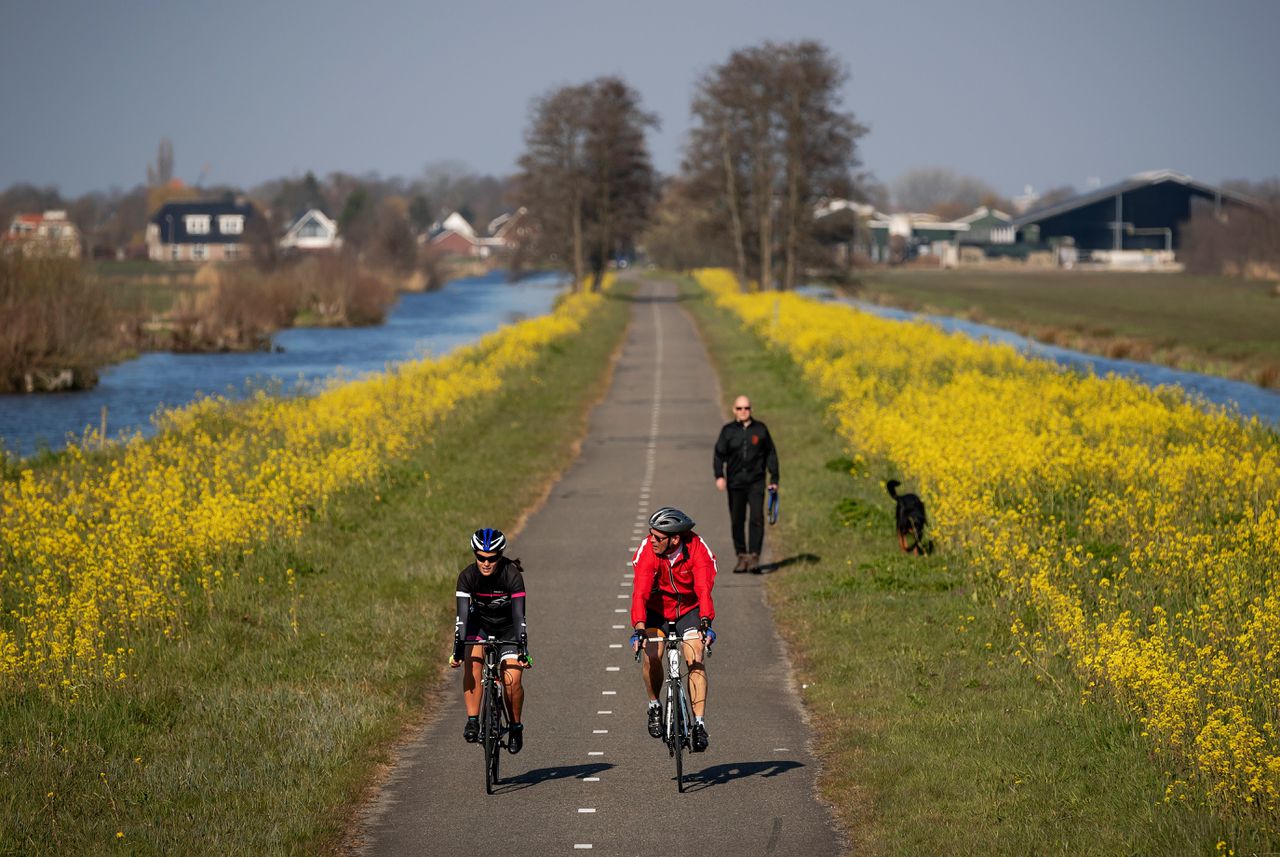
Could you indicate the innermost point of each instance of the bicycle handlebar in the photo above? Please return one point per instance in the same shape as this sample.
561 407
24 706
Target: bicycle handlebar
670 637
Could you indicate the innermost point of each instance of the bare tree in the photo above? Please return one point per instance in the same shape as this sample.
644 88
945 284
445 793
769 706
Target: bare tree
939 190
622 180
819 142
770 139
586 176
553 175
160 172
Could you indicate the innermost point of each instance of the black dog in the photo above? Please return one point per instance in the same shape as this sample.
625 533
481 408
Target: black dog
910 518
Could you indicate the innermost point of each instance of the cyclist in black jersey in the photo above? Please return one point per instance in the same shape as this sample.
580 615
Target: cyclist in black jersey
491 599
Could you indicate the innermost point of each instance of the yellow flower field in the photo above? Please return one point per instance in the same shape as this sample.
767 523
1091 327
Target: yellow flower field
1132 529
104 551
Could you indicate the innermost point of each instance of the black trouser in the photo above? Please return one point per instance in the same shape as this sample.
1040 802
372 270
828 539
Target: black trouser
739 499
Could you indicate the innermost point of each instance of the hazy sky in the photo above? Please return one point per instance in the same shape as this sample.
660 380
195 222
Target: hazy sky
1015 93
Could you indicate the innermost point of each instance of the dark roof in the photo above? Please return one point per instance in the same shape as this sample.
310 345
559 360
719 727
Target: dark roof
172 216
1132 183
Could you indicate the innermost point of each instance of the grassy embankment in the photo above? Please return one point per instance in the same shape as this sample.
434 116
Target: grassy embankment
1216 325
258 730
937 738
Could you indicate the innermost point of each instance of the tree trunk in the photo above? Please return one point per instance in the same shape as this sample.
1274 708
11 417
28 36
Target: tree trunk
579 265
732 184
793 222
764 217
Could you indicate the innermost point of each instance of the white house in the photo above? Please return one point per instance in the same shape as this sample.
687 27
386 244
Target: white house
313 230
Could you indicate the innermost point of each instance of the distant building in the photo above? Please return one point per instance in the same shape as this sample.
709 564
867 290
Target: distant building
507 232
987 226
202 231
897 237
50 232
1141 215
311 230
455 236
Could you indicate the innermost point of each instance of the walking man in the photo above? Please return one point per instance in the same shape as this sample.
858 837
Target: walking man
744 456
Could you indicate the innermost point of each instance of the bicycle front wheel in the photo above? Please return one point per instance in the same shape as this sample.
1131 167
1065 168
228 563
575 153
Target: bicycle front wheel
490 733
678 727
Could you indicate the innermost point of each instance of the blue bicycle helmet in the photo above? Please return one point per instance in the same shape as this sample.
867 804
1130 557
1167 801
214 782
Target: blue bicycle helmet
488 539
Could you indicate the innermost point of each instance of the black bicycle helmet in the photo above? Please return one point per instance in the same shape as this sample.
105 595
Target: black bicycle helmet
671 521
488 539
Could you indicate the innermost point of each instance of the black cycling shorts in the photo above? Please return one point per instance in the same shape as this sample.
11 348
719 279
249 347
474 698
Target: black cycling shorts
686 625
478 631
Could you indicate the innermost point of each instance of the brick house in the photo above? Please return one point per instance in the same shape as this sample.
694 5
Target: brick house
203 231
50 232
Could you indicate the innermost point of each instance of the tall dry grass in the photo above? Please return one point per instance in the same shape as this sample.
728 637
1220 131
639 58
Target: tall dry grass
55 323
243 306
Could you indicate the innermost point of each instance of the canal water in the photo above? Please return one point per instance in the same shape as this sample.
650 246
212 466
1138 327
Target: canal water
1249 400
421 324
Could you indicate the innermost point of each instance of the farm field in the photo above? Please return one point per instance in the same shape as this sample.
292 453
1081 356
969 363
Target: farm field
1217 325
225 672
1066 673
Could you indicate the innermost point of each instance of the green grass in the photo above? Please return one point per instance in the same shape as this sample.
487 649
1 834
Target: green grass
1220 325
142 288
247 736
935 737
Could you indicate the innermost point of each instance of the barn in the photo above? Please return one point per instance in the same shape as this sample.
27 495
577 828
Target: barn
1143 213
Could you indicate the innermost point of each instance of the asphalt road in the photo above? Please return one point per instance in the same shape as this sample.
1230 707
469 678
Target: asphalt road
590 778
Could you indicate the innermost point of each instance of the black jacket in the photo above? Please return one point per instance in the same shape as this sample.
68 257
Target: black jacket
744 454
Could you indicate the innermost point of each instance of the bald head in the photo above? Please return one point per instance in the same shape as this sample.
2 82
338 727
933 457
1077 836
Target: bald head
742 409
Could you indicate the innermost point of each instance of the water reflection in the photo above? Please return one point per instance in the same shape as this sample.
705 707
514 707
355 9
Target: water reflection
431 323
1248 399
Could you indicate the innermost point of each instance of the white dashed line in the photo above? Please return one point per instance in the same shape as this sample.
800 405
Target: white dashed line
612 669
586 809
599 731
615 645
591 779
618 627
595 753
579 846
608 693
619 610
604 712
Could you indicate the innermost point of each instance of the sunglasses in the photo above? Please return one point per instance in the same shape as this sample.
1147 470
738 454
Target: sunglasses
742 407
660 537
494 558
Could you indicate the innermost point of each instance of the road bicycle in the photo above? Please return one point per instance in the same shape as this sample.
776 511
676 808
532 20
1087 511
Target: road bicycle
494 724
677 716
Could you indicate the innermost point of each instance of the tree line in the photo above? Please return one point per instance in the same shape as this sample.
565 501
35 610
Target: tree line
770 139
379 217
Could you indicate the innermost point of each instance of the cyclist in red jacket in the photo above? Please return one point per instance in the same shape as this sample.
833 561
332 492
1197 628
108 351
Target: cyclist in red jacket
674 574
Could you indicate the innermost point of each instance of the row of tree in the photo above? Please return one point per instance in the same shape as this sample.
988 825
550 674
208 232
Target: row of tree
770 139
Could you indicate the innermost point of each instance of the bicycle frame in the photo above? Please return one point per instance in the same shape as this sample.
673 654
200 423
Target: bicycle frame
493 711
677 716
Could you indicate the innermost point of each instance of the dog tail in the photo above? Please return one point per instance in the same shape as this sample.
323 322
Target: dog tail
892 487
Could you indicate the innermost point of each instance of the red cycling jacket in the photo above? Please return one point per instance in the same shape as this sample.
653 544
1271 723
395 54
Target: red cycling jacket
675 583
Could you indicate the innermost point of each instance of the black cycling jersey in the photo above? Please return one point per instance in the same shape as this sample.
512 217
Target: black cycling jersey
493 604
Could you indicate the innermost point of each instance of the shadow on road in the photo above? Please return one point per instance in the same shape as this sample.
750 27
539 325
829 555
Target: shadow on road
542 775
677 298
718 775
770 567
